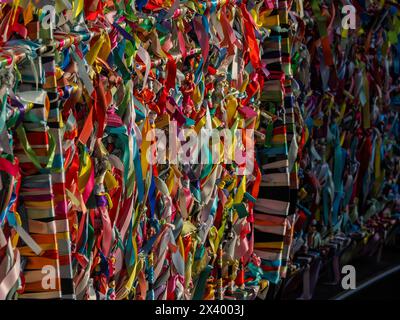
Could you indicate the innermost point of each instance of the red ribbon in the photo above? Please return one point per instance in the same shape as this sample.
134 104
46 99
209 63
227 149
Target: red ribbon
251 41
7 166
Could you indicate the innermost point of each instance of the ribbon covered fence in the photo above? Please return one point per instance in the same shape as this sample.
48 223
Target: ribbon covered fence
186 149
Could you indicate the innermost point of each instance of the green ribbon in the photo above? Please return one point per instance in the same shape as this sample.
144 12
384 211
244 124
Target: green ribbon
31 153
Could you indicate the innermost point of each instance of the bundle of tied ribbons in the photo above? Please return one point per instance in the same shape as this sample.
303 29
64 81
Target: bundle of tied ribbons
86 215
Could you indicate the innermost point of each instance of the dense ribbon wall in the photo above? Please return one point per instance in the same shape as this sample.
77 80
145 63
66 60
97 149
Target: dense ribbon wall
86 213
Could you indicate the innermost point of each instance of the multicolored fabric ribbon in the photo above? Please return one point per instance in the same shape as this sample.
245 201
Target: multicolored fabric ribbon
294 119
